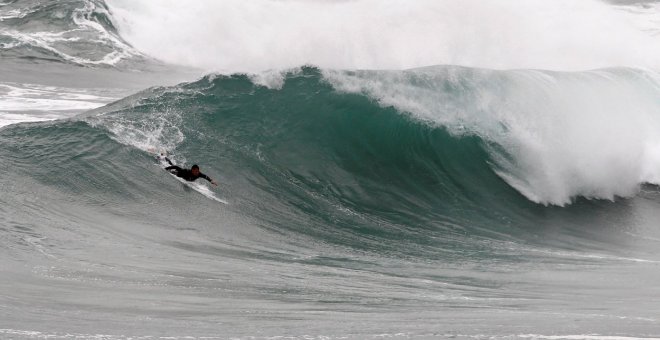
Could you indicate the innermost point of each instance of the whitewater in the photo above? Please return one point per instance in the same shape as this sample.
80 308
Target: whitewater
388 169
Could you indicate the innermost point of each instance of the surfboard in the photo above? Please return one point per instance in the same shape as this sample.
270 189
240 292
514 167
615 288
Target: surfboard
199 187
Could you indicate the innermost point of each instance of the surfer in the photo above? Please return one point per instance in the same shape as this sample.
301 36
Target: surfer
188 174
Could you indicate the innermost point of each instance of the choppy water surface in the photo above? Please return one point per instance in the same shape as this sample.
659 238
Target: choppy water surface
366 199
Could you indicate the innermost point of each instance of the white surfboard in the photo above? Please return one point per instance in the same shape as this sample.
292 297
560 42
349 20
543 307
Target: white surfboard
199 187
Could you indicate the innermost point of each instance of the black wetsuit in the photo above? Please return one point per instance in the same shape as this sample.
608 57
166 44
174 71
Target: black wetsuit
184 173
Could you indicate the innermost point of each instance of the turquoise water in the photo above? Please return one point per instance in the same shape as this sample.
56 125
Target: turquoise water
435 202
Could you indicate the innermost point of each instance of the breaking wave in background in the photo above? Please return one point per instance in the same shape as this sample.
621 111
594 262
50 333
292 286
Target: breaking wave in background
78 32
404 169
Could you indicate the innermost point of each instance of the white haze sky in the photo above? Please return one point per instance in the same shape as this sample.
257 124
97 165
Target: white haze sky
238 35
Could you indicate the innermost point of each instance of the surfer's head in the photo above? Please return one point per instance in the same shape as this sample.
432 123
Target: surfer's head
195 170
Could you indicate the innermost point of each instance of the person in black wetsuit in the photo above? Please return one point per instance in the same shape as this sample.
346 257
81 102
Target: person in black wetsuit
188 175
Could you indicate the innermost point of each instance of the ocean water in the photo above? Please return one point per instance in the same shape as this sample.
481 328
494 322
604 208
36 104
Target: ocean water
388 169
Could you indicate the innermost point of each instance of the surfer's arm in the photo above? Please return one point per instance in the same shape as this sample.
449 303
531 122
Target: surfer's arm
208 179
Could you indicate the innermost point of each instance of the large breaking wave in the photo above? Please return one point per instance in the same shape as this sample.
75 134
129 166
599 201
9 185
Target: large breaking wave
79 32
551 136
369 196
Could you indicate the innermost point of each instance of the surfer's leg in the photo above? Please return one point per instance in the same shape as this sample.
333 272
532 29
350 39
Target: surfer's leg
173 169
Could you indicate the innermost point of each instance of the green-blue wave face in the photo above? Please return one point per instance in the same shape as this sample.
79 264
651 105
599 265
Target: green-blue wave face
336 202
307 159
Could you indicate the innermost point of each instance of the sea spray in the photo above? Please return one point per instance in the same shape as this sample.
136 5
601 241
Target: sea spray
238 36
556 135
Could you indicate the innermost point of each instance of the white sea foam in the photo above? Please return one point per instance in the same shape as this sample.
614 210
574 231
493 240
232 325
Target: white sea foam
13 14
47 41
555 136
582 337
252 36
33 102
51 41
7 118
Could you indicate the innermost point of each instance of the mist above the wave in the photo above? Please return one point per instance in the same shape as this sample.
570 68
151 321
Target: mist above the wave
251 36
